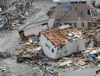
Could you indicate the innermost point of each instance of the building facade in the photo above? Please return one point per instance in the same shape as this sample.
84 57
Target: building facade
74 13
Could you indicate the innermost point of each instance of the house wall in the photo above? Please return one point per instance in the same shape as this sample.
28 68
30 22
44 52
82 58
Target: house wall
74 15
71 47
46 50
68 49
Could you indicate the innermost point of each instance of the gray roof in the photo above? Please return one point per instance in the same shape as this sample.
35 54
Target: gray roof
36 26
39 21
35 30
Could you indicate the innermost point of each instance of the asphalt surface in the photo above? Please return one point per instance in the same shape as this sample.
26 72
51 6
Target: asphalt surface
82 72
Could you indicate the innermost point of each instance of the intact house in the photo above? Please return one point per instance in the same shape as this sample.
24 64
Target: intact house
62 41
75 14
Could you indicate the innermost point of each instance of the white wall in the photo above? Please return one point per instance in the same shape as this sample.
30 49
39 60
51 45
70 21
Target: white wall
46 50
71 47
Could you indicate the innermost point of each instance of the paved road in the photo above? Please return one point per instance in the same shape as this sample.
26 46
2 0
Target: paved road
82 72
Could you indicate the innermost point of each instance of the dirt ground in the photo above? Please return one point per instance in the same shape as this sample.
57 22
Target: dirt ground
10 39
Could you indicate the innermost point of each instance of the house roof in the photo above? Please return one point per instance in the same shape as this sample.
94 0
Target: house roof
35 30
37 26
43 19
62 34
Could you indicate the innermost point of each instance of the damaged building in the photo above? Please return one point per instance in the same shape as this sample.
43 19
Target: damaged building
36 27
58 42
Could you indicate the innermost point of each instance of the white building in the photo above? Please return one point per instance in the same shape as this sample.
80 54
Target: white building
62 41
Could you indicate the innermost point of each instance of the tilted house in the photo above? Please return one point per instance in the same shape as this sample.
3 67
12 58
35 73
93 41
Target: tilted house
62 41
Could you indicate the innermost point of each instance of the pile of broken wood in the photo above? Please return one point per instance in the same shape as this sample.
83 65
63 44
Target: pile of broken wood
93 33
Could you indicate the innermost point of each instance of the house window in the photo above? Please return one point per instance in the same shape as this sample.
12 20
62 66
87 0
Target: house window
4 1
47 45
59 3
65 14
81 14
88 12
75 25
52 51
65 52
82 24
70 24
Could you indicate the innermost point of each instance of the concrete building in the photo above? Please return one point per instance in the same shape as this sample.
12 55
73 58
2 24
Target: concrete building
74 13
62 41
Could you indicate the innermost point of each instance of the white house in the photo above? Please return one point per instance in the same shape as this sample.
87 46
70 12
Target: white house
62 41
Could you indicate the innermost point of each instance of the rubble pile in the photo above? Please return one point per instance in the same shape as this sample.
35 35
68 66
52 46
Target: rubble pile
33 56
17 13
97 73
92 35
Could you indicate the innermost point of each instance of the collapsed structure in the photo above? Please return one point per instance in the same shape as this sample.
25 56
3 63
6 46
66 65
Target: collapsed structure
62 41
35 27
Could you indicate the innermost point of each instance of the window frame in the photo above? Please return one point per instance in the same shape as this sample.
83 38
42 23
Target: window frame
75 25
81 13
65 12
52 50
82 25
47 45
